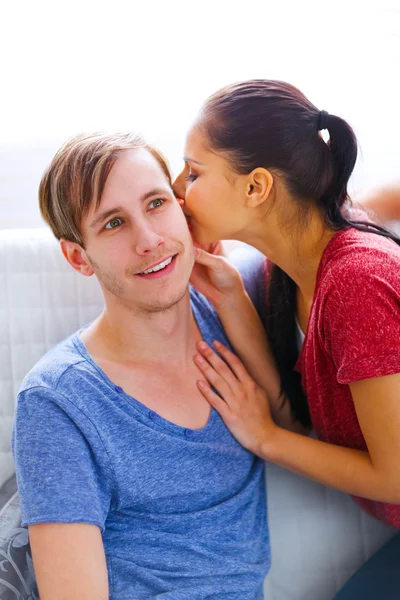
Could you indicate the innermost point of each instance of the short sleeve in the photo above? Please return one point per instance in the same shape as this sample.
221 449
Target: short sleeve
361 330
62 469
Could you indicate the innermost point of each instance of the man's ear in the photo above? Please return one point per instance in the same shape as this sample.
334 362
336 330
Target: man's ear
76 256
258 187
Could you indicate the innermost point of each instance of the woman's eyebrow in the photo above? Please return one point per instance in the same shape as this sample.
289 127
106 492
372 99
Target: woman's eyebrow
191 160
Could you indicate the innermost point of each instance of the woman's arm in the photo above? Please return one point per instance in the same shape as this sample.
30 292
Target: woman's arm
244 330
247 335
244 408
374 474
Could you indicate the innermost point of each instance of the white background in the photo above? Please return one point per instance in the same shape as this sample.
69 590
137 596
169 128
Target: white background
71 66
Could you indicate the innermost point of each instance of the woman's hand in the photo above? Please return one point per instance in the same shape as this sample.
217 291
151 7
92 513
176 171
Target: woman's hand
214 276
242 404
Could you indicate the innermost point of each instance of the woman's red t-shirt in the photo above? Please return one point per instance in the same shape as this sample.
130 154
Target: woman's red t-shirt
353 333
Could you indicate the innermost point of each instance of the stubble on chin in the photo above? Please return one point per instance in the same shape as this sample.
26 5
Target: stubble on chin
146 306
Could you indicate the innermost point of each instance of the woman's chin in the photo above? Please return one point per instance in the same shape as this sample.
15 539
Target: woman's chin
203 237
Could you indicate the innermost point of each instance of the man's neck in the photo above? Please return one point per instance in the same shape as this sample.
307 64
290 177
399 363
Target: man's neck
166 337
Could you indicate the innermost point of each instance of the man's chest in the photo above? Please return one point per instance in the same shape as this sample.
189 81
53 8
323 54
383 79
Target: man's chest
173 395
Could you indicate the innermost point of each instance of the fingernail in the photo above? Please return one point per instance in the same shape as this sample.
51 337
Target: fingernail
202 345
217 343
199 359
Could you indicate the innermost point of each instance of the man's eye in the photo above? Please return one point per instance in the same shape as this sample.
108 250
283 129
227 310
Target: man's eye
156 203
116 222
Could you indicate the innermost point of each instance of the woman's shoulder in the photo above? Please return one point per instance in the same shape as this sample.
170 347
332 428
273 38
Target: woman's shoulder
360 274
353 254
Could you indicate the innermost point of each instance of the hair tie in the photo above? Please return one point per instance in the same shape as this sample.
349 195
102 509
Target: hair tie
323 120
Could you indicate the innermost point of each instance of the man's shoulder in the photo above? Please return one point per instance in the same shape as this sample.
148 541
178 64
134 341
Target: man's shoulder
249 261
252 266
207 318
202 308
54 365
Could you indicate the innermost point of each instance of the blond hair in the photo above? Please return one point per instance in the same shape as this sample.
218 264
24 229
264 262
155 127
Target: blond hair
76 177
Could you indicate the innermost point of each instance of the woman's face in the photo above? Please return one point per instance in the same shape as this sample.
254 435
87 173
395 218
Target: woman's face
214 194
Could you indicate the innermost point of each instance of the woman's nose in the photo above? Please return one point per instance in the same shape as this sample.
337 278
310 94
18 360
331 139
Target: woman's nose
179 186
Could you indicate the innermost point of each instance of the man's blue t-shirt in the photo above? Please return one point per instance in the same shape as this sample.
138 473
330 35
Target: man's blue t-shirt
182 511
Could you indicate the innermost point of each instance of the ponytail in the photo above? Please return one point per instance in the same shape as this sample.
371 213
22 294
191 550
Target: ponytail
281 321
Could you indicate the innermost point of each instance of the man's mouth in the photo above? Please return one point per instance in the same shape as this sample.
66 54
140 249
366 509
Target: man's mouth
162 268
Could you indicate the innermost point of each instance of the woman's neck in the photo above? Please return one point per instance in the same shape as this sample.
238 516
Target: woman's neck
297 250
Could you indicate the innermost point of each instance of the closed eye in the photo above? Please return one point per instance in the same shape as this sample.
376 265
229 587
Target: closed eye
191 177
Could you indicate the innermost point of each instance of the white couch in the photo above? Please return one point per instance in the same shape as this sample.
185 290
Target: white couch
319 537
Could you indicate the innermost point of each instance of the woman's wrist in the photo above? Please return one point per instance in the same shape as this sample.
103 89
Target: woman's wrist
269 447
233 299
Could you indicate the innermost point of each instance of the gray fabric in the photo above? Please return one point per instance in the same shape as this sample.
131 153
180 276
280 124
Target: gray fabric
8 490
17 579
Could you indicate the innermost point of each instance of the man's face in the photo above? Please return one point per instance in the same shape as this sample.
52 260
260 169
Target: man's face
137 240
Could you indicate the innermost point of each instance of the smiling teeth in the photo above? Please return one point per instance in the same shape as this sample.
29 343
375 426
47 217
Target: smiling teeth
159 267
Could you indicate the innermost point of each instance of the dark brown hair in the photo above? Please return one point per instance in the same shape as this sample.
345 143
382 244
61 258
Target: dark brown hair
271 124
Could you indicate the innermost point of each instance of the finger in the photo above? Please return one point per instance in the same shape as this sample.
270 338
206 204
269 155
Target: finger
235 364
219 366
218 248
211 261
215 379
216 401
214 248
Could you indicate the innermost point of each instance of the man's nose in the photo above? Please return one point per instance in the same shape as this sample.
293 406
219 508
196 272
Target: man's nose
179 186
148 240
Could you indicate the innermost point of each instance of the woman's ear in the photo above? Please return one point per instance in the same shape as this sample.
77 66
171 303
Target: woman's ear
258 187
